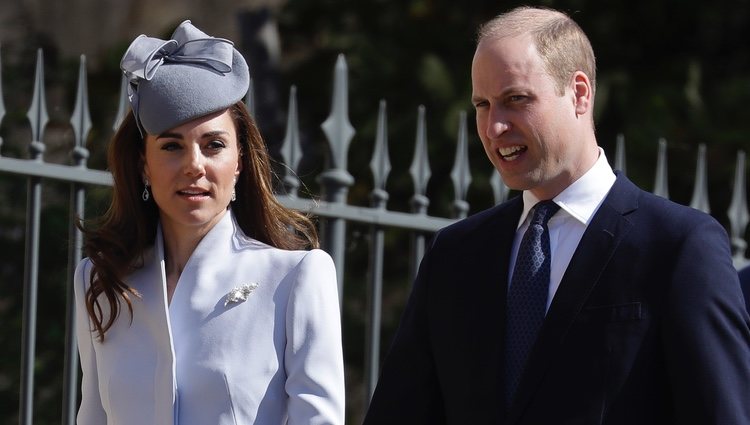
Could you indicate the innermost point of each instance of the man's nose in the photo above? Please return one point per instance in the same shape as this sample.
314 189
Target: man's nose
497 124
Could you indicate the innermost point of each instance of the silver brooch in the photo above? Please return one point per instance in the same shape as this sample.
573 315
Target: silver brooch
240 293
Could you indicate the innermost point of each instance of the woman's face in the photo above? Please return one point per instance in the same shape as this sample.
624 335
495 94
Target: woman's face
192 170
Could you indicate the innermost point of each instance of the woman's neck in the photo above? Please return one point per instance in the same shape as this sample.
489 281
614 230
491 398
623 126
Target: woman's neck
179 244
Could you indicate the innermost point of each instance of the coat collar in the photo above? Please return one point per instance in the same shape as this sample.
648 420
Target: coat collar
169 319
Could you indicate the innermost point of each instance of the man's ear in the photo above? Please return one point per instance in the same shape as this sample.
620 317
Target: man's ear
582 92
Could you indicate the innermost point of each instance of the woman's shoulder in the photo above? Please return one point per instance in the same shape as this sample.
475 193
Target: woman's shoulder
82 277
311 256
82 271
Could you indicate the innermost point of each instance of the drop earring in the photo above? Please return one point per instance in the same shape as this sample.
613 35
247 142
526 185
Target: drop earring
234 192
145 195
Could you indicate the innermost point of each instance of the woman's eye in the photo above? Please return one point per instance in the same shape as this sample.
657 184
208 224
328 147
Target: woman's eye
215 145
170 146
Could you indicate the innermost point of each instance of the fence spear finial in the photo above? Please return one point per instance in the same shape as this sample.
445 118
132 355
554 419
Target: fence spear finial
460 174
81 118
420 165
337 127
291 149
381 163
37 114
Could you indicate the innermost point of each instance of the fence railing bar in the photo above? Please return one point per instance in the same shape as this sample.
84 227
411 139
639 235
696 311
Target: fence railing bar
81 123
337 180
38 118
250 98
738 214
30 289
620 162
123 105
374 307
661 186
65 173
381 167
366 215
420 173
2 103
499 190
699 199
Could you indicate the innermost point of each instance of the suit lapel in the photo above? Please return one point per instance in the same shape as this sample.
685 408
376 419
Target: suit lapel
476 317
596 248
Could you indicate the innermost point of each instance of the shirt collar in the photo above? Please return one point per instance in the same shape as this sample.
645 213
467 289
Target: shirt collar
582 198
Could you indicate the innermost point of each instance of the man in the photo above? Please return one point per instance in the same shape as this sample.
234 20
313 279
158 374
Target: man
641 318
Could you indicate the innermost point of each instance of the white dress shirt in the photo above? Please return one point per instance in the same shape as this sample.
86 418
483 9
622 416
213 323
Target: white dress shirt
578 204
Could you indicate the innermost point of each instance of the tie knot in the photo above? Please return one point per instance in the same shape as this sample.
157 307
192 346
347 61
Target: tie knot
543 211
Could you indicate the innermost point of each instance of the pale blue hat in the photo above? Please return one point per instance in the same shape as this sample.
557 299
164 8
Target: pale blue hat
175 81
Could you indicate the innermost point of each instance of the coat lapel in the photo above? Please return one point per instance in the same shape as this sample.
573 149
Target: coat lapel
596 248
165 382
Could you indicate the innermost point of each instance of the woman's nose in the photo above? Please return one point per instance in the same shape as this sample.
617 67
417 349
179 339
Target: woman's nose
195 162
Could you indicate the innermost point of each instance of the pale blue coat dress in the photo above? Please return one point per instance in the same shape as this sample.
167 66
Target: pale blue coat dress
275 358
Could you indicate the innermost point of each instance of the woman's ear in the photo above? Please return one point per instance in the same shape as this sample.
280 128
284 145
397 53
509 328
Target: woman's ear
239 164
145 174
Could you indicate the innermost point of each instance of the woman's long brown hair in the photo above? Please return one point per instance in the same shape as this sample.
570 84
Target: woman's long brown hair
116 241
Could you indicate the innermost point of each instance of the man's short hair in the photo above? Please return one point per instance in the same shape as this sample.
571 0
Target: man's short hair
561 43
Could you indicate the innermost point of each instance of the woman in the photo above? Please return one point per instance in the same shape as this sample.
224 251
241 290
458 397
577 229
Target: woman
197 303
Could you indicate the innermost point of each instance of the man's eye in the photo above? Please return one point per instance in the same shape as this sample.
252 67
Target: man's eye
516 98
480 104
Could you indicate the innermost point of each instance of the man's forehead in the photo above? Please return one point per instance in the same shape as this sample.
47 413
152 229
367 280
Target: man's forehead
507 57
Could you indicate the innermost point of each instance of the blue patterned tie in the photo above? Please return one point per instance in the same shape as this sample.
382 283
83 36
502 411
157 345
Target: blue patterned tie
527 296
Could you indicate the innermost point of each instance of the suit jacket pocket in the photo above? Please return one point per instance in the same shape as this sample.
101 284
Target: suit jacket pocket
613 313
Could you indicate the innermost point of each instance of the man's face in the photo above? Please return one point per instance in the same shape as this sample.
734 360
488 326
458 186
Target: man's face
529 131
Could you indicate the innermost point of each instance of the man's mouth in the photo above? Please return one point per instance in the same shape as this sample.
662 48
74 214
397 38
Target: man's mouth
510 153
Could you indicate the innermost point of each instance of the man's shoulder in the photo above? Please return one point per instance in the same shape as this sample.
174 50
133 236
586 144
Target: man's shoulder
483 222
489 215
654 208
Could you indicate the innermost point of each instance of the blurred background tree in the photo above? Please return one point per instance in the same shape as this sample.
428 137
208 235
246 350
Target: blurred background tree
667 68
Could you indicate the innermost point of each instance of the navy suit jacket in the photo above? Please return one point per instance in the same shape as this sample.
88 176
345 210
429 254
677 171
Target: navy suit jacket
647 327
745 284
